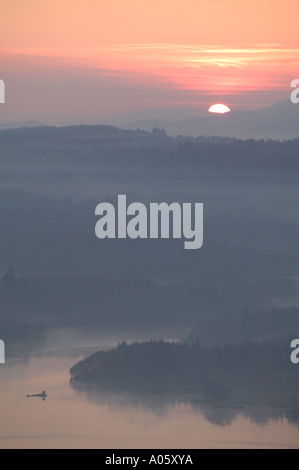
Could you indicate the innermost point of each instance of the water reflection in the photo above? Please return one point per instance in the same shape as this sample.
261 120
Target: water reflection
218 413
215 414
81 417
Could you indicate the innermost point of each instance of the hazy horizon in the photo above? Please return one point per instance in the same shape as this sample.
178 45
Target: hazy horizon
87 62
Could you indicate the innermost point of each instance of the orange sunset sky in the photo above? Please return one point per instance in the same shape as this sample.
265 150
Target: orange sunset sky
72 61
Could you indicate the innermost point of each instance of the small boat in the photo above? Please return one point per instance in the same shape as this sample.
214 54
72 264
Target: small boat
40 395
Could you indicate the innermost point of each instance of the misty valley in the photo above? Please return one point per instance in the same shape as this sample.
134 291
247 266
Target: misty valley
204 332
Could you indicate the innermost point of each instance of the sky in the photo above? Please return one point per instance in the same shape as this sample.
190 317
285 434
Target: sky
75 61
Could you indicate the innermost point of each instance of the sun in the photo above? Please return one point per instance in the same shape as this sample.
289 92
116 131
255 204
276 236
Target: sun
219 108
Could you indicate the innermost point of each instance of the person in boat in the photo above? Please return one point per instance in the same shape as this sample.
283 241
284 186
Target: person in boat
41 395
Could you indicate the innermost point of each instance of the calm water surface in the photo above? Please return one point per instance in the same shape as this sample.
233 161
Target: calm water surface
71 419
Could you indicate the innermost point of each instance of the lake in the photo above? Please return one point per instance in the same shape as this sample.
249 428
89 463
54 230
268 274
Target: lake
72 419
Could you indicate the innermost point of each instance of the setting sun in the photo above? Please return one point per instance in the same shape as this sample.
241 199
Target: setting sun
219 108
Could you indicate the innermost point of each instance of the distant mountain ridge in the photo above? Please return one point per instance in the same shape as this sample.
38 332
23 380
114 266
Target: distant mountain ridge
16 125
280 121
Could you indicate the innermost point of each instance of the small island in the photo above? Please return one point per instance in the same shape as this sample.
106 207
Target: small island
247 373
